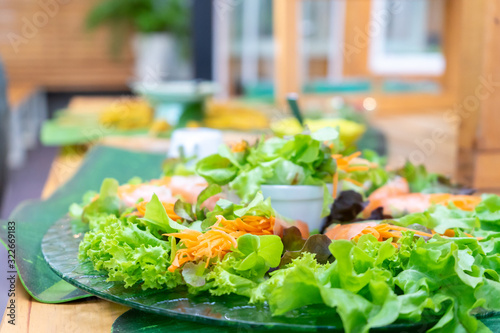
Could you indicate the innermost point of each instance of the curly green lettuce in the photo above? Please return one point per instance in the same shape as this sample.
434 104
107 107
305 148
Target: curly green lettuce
129 253
368 284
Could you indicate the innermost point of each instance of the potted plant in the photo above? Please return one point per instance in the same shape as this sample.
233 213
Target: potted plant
300 174
161 30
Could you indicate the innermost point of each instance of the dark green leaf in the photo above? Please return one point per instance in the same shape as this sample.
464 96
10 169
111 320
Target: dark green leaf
184 210
317 244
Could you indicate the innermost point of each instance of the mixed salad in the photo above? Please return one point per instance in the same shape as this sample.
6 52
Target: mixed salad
304 159
372 266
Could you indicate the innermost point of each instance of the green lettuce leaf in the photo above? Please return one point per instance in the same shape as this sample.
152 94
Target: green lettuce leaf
225 151
194 274
254 255
76 209
216 169
241 271
157 218
285 172
327 201
373 284
420 180
207 193
129 254
248 183
300 160
256 207
107 203
488 212
440 218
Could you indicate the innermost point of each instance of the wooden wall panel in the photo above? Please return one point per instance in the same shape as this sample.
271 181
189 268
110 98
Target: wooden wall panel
357 40
469 53
489 134
49 47
286 30
483 133
487 171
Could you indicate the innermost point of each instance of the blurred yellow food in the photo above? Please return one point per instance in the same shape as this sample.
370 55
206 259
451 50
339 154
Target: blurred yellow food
350 131
159 126
193 124
234 115
127 114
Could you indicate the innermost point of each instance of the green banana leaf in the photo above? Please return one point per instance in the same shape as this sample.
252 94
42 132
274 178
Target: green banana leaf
33 218
56 133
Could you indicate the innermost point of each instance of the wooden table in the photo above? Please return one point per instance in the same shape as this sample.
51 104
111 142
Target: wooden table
95 315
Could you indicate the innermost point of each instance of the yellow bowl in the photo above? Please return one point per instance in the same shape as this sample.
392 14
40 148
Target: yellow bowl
350 131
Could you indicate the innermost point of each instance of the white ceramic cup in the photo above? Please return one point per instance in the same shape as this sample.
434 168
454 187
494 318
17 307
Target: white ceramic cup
199 142
298 202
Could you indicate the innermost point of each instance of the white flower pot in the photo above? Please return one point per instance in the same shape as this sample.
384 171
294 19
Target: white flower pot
157 58
298 202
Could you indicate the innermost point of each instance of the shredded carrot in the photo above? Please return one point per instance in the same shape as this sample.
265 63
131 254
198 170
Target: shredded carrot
463 202
198 246
383 232
344 163
239 147
355 182
357 168
218 241
451 233
169 208
335 184
352 156
256 225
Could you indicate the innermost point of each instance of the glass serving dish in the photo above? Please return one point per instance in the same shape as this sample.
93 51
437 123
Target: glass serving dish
60 250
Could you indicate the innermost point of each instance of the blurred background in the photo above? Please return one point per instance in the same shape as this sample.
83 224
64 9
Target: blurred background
410 79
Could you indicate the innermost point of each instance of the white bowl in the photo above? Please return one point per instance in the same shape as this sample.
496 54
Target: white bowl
298 202
199 142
